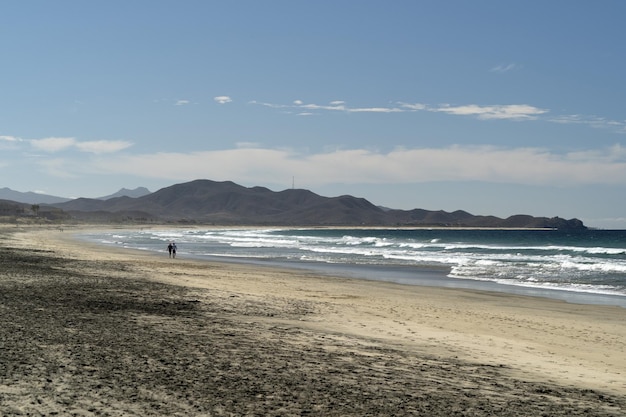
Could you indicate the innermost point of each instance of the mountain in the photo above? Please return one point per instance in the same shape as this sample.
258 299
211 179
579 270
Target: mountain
227 203
29 197
14 210
37 198
137 192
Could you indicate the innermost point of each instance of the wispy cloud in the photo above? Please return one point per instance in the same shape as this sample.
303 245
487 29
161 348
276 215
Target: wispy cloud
53 144
222 99
591 121
504 67
10 138
103 146
454 163
511 111
413 106
508 111
514 112
276 106
56 144
306 109
333 106
339 105
181 102
376 110
9 142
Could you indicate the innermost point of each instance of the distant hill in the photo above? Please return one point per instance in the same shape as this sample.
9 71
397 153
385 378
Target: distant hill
137 192
14 210
227 203
29 197
37 198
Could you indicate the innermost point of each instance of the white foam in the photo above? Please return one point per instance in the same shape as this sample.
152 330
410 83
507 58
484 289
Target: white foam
576 268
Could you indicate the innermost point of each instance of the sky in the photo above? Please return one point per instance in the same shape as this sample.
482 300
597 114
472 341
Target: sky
493 107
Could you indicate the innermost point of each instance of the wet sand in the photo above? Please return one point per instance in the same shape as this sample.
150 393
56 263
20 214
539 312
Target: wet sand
88 330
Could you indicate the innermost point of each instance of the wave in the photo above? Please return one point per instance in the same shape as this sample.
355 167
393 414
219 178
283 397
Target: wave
528 259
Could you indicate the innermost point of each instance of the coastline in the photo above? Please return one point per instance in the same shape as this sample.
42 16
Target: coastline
519 342
434 275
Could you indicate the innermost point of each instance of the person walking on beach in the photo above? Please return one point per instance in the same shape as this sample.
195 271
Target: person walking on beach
170 248
173 249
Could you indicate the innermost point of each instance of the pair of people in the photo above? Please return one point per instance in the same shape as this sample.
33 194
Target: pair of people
171 248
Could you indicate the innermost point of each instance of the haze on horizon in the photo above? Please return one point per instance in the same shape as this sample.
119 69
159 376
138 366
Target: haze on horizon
490 107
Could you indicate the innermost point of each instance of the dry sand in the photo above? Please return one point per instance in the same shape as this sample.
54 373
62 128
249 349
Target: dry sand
88 330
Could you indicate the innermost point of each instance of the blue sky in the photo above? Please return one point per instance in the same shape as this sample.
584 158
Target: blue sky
494 107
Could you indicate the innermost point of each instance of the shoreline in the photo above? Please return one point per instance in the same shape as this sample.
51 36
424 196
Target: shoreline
431 276
525 344
424 276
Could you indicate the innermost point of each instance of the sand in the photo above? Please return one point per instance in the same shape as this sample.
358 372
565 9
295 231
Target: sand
89 330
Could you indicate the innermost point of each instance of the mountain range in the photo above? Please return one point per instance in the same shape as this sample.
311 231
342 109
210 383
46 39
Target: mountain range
29 197
125 192
227 203
39 198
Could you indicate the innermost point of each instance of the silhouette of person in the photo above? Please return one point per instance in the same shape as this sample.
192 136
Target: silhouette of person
173 249
170 248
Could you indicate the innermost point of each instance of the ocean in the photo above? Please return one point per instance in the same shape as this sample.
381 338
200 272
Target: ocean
577 266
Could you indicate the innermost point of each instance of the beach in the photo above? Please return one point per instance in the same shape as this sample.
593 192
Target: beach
89 330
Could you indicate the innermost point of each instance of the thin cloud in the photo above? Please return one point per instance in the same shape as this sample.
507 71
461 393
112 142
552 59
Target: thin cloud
376 110
339 105
504 68
352 166
57 144
333 106
53 144
274 106
414 106
512 111
591 121
181 102
103 146
222 99
9 143
336 105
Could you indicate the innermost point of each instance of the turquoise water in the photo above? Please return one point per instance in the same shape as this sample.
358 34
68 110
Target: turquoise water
585 262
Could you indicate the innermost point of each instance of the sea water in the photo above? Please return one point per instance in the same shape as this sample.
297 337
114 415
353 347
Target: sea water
579 266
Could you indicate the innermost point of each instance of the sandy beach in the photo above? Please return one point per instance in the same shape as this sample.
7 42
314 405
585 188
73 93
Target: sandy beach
87 330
